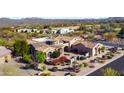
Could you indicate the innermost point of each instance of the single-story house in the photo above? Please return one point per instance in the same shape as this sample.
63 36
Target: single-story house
47 49
25 30
62 31
85 48
5 54
42 40
66 40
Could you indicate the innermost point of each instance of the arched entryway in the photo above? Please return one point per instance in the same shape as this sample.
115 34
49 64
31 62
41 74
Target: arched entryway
6 59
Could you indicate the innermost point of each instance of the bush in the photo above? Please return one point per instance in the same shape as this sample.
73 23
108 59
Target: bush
43 68
102 61
21 47
103 49
82 58
41 57
81 65
55 54
85 64
78 58
46 74
110 72
26 58
68 63
109 57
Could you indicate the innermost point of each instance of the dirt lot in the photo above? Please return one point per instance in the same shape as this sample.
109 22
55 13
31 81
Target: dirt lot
14 68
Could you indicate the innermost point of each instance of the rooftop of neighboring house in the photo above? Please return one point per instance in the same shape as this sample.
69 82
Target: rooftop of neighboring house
87 44
45 47
66 38
70 27
4 51
40 46
40 40
44 39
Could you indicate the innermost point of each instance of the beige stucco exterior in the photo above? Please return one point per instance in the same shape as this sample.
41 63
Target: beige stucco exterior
5 58
5 54
95 49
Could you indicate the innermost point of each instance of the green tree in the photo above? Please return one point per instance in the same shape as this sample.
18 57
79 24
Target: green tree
26 58
2 42
55 54
110 72
40 56
121 32
82 27
21 47
109 36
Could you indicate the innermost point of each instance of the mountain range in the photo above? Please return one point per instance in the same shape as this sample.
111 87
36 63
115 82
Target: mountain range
4 22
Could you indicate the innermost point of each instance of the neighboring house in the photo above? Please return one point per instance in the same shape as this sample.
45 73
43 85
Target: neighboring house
62 31
65 40
25 30
5 54
42 40
41 47
47 49
98 37
85 48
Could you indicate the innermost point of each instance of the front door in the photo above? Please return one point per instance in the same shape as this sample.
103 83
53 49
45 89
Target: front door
6 59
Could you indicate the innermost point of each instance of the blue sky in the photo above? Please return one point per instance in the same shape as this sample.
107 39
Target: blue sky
61 8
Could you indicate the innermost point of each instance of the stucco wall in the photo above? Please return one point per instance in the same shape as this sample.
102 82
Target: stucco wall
4 58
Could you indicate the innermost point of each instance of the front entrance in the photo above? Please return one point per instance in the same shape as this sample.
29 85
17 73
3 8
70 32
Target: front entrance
6 59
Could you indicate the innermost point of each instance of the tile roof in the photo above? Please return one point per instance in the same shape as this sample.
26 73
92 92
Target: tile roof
86 43
65 38
44 47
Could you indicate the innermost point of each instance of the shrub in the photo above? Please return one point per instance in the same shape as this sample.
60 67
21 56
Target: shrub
110 72
43 68
26 58
78 58
81 65
103 49
21 47
41 57
46 74
82 58
55 54
68 63
85 64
